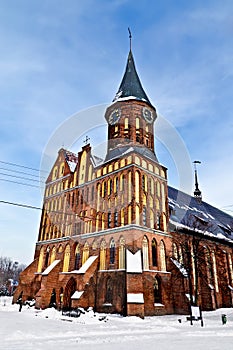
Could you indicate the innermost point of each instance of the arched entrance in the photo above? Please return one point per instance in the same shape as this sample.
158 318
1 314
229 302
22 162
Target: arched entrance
68 292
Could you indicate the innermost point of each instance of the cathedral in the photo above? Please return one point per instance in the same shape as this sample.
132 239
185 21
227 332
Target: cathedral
115 237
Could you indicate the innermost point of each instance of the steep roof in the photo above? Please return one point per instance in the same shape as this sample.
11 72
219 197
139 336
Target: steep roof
189 213
131 87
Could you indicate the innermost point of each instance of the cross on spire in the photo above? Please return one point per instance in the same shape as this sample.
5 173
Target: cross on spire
86 140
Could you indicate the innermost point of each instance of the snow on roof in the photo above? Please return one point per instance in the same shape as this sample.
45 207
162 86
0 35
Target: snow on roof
135 298
72 165
50 267
133 262
188 213
77 294
180 267
87 264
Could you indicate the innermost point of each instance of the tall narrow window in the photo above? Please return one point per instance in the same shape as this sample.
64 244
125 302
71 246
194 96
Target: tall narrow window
112 251
122 254
158 221
115 219
66 261
137 123
109 291
77 258
137 215
144 216
163 256
126 123
143 183
85 254
151 219
53 255
145 253
41 260
116 185
154 252
122 183
157 291
215 272
102 255
137 189
109 220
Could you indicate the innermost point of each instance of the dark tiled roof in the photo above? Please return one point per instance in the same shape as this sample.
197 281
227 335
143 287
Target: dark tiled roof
131 85
188 212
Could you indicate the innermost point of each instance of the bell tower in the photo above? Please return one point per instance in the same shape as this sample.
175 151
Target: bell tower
131 116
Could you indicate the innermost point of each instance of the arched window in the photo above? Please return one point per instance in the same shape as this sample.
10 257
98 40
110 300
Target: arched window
66 261
145 254
122 254
116 183
102 255
53 255
41 260
46 258
163 256
157 291
154 252
85 254
112 251
77 258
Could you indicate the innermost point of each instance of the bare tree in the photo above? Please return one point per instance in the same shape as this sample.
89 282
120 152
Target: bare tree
9 271
189 254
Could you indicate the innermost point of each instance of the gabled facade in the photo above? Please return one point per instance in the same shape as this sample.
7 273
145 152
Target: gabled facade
105 240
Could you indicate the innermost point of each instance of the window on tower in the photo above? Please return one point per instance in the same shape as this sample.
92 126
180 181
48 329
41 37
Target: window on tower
109 220
116 219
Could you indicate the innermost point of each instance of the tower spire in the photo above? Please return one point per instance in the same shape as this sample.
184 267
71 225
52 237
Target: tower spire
197 192
130 39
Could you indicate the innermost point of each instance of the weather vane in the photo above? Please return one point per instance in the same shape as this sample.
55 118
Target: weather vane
86 140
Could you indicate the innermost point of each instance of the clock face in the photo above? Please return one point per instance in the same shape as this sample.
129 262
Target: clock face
114 116
147 114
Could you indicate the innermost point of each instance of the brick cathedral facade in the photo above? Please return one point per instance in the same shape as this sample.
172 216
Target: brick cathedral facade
114 236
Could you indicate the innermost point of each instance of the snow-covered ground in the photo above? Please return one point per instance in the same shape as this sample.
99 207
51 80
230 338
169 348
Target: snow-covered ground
49 329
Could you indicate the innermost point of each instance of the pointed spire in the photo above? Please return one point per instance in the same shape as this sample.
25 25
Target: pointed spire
197 192
131 86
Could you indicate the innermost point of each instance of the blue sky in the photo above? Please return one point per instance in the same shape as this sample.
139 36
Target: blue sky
61 57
